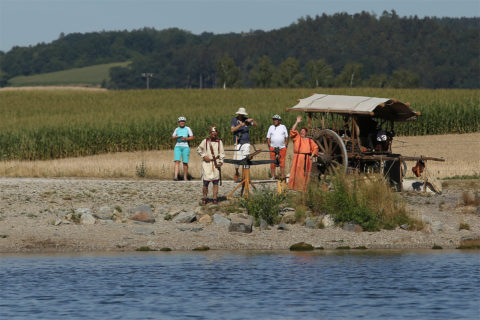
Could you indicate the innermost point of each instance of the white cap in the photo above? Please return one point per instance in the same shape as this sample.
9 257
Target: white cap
182 119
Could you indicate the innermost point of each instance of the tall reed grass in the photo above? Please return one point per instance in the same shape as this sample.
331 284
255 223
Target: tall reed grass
57 124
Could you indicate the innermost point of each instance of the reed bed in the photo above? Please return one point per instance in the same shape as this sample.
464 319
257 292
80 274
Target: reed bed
53 124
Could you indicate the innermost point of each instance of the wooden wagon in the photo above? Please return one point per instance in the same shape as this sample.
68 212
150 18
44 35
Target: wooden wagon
356 133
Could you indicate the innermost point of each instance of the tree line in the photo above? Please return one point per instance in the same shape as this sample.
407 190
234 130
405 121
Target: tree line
323 51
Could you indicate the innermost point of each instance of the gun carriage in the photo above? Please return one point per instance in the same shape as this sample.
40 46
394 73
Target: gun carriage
355 133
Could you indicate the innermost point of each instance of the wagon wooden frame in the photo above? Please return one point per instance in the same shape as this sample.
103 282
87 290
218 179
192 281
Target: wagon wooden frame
346 134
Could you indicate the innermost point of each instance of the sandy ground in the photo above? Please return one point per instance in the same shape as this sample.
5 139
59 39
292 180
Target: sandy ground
459 151
30 208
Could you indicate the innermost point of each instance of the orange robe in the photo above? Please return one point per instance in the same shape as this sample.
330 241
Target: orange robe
303 149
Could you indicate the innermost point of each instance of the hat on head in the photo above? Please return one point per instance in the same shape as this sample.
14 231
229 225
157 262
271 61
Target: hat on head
242 111
276 117
182 119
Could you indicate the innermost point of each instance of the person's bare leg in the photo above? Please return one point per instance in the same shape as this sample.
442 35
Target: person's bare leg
205 194
272 171
185 171
282 171
177 168
215 192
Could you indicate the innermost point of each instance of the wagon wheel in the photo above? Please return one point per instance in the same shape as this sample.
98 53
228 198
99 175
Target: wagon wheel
331 152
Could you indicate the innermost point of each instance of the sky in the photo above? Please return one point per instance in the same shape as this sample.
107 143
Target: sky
28 22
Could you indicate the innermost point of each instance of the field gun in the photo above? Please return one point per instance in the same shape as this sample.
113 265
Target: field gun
248 161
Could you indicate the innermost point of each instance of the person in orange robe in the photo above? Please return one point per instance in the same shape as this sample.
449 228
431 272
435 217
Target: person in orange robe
303 151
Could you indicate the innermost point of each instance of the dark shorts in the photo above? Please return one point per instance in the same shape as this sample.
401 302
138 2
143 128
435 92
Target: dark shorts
206 183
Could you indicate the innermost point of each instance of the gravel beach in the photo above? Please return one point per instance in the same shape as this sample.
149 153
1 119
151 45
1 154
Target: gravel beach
86 215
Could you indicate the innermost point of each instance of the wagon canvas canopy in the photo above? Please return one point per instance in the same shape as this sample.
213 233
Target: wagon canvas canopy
384 108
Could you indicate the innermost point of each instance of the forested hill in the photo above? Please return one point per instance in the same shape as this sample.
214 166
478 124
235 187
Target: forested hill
328 50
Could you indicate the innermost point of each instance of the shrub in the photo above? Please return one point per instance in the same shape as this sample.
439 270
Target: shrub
464 226
366 200
141 170
264 204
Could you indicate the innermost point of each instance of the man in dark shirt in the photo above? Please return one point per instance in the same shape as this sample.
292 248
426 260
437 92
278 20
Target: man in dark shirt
240 129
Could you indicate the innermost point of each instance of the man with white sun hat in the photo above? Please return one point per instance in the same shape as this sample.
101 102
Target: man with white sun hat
240 126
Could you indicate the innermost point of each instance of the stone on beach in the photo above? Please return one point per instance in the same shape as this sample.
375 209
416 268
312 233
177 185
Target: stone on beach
220 220
263 225
185 217
142 213
328 221
289 217
311 223
104 213
301 246
243 218
143 231
240 227
87 218
282 226
348 226
205 219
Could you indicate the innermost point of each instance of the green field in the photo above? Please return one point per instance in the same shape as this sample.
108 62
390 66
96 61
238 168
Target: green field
93 75
60 123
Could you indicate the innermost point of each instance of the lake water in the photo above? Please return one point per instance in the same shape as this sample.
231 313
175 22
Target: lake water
242 285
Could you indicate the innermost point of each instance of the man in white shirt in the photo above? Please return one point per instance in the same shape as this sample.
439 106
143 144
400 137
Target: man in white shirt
277 137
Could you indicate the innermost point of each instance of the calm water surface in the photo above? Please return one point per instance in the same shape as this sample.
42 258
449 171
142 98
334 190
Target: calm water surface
226 285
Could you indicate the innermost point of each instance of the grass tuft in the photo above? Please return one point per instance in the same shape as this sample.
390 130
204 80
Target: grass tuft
366 200
264 204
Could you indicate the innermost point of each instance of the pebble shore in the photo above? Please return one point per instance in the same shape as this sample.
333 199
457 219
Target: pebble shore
38 215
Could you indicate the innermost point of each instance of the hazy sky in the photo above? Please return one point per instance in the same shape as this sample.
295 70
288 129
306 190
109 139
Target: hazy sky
28 22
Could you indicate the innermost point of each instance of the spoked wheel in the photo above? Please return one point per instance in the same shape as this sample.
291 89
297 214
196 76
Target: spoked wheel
332 153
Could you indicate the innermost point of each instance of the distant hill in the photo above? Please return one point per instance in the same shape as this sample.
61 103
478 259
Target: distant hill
329 50
92 76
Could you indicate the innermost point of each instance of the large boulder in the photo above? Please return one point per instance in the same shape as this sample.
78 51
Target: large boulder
142 213
220 220
185 217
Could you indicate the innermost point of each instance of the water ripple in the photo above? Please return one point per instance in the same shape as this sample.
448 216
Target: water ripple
222 285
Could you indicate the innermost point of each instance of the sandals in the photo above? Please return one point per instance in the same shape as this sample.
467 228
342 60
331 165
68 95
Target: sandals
215 201
204 202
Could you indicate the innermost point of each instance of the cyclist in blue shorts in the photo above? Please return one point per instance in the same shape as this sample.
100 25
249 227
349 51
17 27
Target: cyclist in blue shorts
182 134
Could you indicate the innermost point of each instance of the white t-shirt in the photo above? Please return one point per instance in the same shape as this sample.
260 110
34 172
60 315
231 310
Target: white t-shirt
277 136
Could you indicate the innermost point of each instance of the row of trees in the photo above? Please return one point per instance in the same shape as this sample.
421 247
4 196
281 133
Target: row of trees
317 73
442 51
